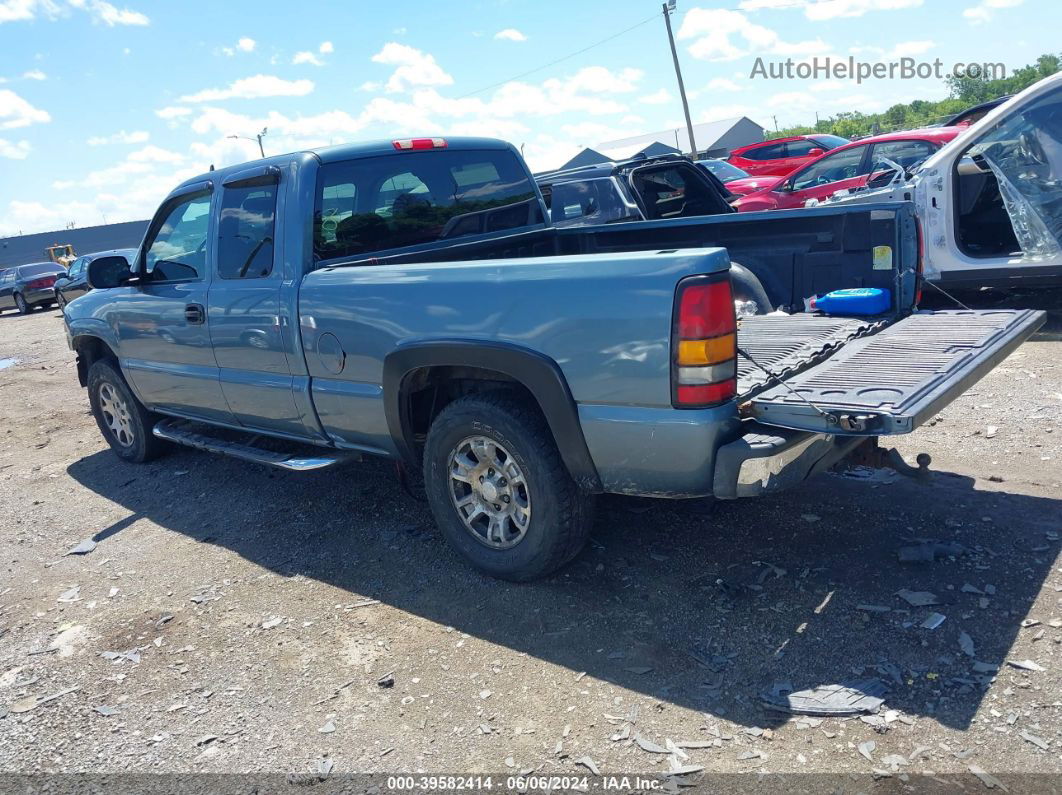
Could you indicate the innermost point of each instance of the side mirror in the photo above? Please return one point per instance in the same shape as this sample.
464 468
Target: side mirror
109 272
816 152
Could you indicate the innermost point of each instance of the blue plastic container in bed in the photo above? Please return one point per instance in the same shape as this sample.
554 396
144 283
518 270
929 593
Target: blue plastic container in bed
853 301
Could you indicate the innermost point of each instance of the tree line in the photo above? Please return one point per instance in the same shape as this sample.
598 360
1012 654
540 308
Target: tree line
963 92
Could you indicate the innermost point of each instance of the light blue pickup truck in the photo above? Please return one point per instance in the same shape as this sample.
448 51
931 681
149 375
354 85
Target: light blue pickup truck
409 299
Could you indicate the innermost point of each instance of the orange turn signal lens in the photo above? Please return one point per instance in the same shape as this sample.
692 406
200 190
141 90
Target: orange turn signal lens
711 351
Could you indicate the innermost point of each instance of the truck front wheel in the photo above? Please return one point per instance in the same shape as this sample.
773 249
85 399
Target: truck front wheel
122 419
499 490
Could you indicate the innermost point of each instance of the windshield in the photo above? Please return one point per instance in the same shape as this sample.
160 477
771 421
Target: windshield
829 141
724 170
38 270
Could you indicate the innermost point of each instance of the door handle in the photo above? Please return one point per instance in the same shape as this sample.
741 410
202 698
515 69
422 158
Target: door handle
194 314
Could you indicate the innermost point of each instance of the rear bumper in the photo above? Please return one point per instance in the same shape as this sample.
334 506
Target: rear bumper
39 296
765 460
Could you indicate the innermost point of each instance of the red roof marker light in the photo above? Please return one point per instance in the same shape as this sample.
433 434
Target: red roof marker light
409 144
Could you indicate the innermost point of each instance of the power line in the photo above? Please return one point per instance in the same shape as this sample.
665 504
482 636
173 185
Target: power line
607 39
559 60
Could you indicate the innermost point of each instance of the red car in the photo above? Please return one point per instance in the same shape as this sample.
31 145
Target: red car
847 167
737 181
781 156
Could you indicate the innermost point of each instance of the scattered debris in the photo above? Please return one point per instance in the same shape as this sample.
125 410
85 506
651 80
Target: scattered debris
328 728
864 696
966 644
918 598
639 669
83 547
929 551
387 680
588 763
754 754
810 517
1039 742
206 739
32 702
934 620
990 781
269 623
1025 665
132 656
866 750
874 608
649 746
106 711
72 595
990 431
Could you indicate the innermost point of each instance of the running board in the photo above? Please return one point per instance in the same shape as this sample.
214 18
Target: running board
186 433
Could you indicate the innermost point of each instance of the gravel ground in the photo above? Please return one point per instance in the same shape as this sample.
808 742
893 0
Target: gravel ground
234 619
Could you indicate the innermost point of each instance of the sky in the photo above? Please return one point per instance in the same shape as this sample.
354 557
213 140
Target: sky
105 107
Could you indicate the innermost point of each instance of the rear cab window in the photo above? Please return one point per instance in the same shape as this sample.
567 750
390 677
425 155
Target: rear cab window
373 204
245 231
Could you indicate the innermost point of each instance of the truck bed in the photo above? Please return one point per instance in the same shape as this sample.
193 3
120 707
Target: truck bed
782 345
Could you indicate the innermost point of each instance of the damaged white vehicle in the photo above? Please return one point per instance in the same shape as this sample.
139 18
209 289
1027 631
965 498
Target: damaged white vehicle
990 202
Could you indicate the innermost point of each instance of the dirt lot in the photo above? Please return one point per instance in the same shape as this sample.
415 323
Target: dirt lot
253 612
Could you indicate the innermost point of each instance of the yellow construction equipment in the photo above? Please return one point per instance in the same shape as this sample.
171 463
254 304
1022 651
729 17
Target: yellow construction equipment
61 254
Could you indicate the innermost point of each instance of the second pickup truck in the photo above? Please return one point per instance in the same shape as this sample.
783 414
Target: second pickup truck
409 299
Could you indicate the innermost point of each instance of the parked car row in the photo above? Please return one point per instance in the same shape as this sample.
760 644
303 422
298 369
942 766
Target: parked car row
41 284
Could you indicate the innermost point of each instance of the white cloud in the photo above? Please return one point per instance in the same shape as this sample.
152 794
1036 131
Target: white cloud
17 112
23 10
723 35
326 48
370 85
985 10
722 84
122 137
719 112
110 15
246 44
252 88
34 74
307 57
510 34
661 97
172 112
414 68
819 10
154 154
14 150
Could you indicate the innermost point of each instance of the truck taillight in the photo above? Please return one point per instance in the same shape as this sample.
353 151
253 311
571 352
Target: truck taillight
409 144
704 344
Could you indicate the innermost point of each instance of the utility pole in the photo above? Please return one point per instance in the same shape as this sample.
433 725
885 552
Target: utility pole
668 7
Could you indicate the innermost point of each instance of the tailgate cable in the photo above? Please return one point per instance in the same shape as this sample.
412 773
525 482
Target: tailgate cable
941 290
830 419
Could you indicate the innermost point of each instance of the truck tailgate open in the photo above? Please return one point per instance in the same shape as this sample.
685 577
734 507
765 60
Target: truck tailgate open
893 381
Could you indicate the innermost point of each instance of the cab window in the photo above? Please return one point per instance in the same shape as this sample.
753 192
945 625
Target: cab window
245 232
376 203
178 250
832 168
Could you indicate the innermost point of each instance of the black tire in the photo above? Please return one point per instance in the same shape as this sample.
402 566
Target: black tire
135 442
560 513
60 301
21 305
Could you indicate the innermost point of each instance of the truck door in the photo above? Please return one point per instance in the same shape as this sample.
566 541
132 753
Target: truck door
164 342
247 328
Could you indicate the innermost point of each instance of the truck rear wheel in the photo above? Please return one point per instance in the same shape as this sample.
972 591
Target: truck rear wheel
122 419
499 490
